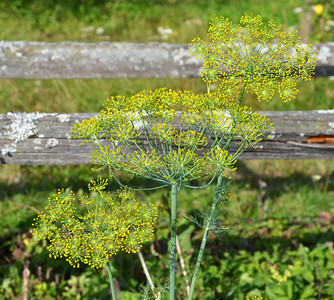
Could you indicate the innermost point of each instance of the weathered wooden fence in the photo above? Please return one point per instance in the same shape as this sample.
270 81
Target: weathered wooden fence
45 139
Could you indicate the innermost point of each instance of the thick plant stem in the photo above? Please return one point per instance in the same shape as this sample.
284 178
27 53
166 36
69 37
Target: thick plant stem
111 281
204 239
173 244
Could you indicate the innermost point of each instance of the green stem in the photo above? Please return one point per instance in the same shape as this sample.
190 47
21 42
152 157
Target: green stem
241 94
111 281
204 239
173 244
209 87
213 208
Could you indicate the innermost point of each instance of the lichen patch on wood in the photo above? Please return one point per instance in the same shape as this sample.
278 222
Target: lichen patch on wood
20 127
51 143
63 118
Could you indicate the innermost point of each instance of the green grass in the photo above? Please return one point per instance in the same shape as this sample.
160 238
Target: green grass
69 96
135 21
292 208
279 231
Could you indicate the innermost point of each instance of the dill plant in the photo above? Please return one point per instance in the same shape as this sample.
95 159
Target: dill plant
144 135
175 138
171 137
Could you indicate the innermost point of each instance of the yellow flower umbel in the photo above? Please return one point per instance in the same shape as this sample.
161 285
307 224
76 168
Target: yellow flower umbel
111 224
254 57
145 135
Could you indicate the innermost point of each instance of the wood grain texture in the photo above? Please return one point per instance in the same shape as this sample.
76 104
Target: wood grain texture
45 139
66 60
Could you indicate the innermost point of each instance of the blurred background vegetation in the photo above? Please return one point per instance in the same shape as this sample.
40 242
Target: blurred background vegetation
281 246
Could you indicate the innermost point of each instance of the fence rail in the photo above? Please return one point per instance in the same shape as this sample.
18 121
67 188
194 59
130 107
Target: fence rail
45 139
68 60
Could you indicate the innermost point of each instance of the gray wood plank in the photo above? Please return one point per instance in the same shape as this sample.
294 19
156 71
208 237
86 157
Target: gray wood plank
40 60
45 139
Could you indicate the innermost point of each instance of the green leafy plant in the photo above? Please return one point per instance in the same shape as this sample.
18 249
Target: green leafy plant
175 138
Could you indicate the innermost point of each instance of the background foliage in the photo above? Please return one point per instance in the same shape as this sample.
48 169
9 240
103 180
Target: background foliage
282 211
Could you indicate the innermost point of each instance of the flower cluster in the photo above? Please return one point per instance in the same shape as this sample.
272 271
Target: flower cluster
257 56
111 224
168 136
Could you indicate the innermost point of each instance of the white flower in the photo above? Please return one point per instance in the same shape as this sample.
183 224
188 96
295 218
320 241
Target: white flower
330 23
298 10
164 32
99 30
316 177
